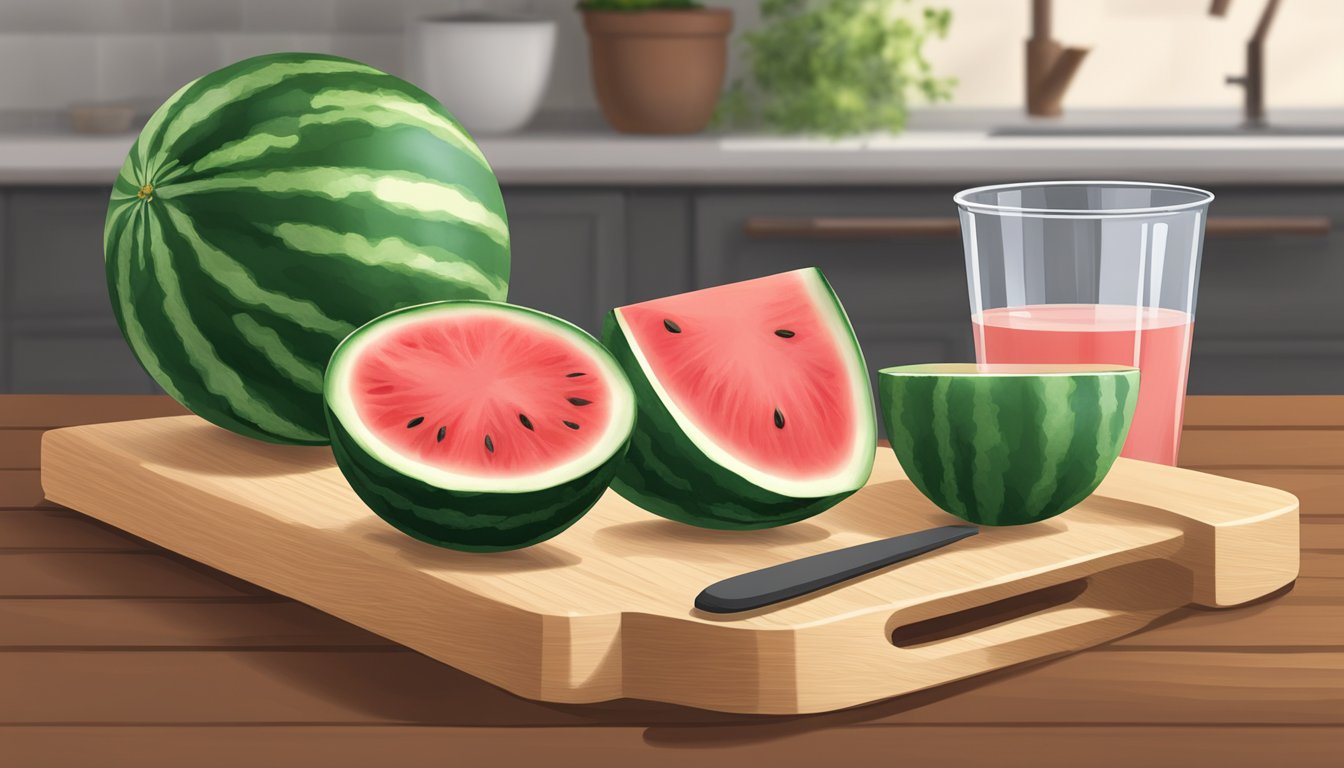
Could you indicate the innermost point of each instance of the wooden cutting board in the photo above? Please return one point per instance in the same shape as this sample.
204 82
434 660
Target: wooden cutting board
604 611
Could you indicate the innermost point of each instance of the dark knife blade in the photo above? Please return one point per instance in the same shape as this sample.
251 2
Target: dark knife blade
795 578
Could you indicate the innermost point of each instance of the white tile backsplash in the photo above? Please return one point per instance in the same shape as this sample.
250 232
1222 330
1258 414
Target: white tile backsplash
384 51
129 67
363 17
271 16
72 16
242 46
185 58
205 16
570 84
47 71
1150 53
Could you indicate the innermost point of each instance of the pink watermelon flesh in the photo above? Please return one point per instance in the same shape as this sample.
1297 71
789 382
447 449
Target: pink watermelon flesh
482 394
755 367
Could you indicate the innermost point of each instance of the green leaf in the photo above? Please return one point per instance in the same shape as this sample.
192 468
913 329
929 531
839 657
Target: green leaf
835 67
636 5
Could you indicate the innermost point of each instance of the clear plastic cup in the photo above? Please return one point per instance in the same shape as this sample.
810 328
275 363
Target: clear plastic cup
1091 272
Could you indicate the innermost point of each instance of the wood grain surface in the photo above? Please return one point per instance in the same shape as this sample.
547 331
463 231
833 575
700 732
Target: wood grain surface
604 611
1229 687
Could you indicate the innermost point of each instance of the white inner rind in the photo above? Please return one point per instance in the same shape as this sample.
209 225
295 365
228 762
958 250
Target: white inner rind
1006 370
341 399
854 473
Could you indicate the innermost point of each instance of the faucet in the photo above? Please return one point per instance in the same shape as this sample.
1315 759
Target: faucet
1254 79
1050 66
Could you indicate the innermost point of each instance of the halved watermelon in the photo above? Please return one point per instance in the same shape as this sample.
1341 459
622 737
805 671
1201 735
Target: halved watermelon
1007 444
754 404
477 425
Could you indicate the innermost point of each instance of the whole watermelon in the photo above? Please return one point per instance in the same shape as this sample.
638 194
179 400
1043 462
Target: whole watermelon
270 208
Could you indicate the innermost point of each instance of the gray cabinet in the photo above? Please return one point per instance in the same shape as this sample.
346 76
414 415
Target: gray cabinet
57 331
906 297
73 358
56 240
1270 317
568 252
1270 314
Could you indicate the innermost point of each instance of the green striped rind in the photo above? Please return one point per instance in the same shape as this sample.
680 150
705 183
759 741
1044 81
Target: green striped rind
667 474
295 197
1006 449
471 521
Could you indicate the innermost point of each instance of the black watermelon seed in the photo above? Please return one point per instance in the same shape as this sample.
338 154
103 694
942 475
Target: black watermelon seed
415 422
575 375
578 401
671 326
785 333
526 421
442 431
779 419
571 425
489 444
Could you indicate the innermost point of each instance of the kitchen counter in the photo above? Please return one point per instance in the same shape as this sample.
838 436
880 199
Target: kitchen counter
120 653
941 146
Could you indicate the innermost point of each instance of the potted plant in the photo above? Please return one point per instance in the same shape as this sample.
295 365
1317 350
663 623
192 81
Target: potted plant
658 65
836 67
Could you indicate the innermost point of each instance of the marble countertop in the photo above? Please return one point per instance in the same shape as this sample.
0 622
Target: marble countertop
940 146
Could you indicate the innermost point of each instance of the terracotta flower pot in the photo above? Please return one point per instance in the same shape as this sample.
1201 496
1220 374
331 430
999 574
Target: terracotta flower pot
658 71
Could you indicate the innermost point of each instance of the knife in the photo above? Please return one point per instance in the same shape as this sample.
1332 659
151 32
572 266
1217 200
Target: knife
805 575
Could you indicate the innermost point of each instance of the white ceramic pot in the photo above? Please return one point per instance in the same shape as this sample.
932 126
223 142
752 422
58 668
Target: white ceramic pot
490 73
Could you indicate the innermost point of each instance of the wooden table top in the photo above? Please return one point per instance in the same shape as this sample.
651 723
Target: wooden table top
116 652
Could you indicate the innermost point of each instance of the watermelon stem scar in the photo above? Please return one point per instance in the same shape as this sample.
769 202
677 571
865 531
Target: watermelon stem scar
146 192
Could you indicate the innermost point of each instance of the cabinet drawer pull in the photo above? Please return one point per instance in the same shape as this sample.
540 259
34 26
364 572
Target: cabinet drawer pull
877 228
1261 226
850 228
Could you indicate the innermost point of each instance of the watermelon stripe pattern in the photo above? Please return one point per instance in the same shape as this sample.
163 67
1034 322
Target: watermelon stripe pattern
668 476
1006 449
473 522
269 209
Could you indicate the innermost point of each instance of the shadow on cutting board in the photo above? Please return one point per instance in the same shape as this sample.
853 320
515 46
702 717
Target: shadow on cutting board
654 535
181 441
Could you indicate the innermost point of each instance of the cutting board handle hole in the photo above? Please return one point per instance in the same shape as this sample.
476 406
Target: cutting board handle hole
951 625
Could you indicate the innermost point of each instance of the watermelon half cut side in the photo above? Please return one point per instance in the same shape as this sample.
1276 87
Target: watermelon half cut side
754 404
477 425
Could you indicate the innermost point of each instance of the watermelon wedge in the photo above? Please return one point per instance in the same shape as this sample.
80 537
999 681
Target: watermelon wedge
754 404
476 425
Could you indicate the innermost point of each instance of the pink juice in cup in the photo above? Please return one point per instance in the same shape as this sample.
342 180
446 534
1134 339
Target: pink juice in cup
1091 272
1153 339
